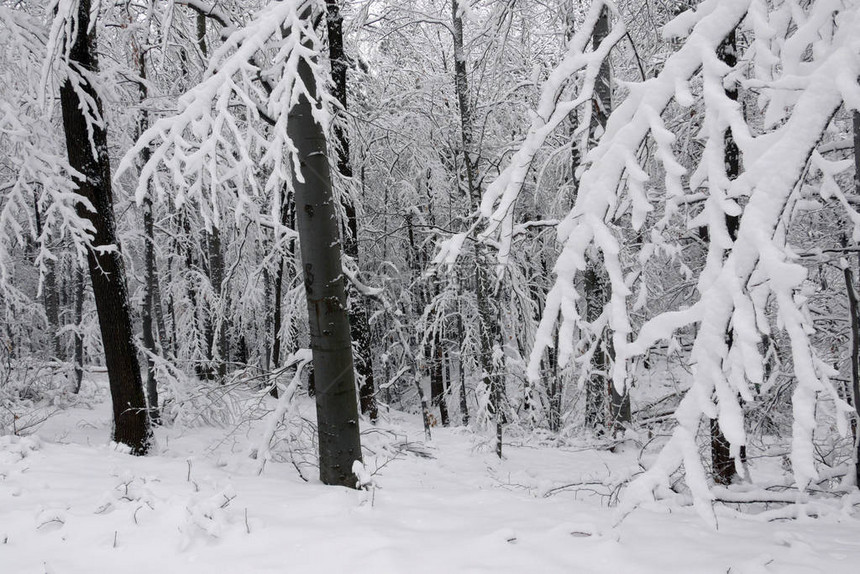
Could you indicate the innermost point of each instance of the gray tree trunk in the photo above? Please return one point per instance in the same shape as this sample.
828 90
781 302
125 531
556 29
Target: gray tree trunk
107 272
337 409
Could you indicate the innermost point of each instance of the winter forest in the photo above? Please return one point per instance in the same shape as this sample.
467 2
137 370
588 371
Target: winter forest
430 286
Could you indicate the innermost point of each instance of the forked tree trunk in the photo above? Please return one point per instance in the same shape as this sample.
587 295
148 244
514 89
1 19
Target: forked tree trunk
88 155
358 314
337 410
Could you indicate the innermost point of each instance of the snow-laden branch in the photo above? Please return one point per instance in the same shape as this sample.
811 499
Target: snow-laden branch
739 276
36 176
774 167
214 142
613 169
499 198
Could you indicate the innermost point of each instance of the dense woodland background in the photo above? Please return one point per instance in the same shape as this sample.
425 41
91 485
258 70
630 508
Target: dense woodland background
612 222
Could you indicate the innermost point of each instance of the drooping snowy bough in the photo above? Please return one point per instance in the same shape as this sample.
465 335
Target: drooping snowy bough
804 63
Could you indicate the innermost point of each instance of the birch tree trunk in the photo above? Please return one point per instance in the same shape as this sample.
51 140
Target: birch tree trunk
88 154
334 375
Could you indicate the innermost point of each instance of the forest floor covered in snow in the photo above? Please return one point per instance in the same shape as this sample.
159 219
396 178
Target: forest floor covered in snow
72 503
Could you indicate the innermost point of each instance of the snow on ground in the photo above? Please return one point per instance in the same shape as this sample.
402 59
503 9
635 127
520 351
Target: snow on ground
72 503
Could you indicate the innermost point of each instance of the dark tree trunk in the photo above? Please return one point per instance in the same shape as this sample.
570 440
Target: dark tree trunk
218 313
217 344
605 408
855 316
149 264
334 375
288 221
470 158
855 363
418 304
79 339
461 337
50 295
88 154
437 380
358 314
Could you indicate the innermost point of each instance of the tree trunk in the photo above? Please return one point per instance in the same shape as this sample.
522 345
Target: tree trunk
337 410
721 457
218 312
50 295
855 317
358 313
218 346
605 408
287 220
437 379
148 257
461 337
470 158
418 305
79 338
88 154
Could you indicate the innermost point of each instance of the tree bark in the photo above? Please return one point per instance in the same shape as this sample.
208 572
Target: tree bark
418 305
605 408
216 325
148 257
88 154
358 313
79 339
334 374
437 379
50 295
721 458
855 317
287 220
470 157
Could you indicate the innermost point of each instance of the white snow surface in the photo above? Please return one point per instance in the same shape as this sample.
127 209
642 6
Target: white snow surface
72 503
